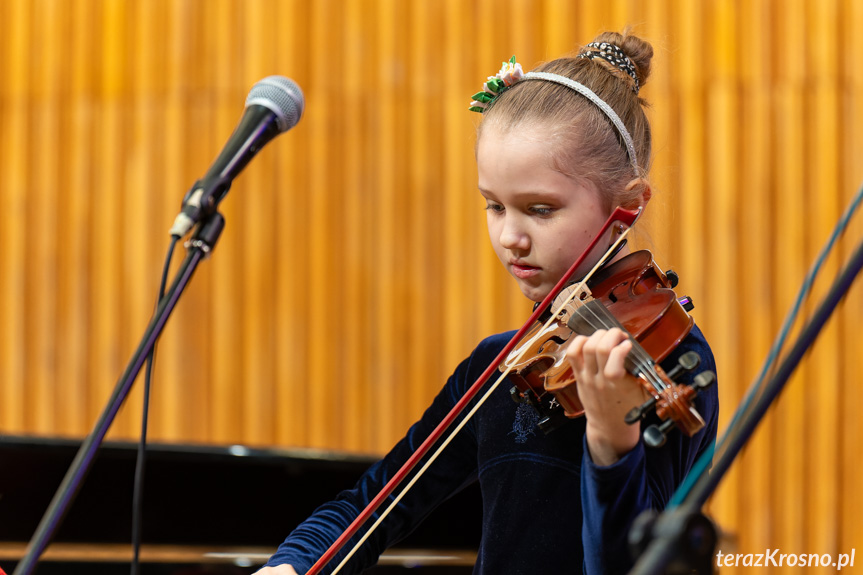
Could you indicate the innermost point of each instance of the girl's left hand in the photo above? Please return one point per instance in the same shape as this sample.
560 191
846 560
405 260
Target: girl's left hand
607 392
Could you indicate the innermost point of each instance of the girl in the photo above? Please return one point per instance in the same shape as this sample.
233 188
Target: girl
557 149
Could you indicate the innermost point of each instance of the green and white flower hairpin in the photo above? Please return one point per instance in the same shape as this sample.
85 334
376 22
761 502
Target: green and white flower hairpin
510 73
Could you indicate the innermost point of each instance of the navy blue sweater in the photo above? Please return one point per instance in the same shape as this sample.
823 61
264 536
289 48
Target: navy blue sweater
547 508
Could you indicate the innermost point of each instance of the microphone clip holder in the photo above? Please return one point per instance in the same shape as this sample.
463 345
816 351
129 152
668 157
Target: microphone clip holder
200 202
689 540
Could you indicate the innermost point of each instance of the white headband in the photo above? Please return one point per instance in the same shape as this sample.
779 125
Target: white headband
599 102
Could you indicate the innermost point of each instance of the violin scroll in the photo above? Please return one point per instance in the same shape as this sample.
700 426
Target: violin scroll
685 363
674 403
678 398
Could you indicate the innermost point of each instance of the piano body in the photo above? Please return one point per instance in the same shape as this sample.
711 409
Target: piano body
207 509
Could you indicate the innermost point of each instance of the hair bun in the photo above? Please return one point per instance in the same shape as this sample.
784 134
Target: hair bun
637 50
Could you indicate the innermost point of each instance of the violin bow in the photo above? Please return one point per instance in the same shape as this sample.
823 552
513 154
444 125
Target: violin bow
620 221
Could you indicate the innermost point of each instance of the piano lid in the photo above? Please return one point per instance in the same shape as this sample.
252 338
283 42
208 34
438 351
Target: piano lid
199 494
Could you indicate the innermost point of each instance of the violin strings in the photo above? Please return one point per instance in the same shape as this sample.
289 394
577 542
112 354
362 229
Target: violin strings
640 357
448 439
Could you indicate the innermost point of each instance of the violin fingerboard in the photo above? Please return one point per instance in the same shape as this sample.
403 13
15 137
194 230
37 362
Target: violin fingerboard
590 317
593 316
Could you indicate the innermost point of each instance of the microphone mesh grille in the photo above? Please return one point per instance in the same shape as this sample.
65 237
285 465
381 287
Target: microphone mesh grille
282 96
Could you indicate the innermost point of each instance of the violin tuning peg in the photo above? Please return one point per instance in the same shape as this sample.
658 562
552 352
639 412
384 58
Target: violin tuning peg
637 413
686 302
689 360
685 363
655 435
703 380
673 278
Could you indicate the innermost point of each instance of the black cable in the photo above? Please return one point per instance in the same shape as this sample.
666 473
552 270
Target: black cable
702 465
738 437
138 493
663 550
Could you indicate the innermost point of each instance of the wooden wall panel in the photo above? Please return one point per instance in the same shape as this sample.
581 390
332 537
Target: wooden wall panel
355 270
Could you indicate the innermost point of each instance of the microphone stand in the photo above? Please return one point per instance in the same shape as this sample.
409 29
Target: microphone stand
201 244
682 538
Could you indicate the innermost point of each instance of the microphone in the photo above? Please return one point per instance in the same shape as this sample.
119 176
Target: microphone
274 105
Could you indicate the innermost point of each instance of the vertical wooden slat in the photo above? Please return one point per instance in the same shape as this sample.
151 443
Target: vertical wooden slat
425 210
356 208
43 260
150 190
139 289
721 197
353 196
295 196
257 231
850 432
790 198
15 143
689 77
461 25
589 21
107 352
477 271
133 310
165 409
559 19
386 227
198 305
757 224
228 384
74 305
323 96
665 235
823 61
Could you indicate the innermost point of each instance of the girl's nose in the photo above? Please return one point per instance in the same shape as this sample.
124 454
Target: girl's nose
513 237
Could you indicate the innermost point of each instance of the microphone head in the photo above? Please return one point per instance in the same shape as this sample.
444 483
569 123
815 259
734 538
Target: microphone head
281 96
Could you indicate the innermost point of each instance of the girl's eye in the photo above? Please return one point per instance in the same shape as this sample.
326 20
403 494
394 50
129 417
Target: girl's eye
493 207
542 210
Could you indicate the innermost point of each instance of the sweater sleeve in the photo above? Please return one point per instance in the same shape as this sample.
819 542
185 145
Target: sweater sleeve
645 478
454 469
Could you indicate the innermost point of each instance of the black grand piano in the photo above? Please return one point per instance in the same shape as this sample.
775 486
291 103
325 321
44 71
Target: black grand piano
215 510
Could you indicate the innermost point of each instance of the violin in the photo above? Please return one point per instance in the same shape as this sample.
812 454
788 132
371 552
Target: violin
535 369
632 294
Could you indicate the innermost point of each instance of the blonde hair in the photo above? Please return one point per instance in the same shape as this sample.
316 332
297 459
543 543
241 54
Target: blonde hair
587 143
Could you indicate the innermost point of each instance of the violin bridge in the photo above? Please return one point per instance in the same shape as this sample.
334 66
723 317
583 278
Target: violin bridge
571 298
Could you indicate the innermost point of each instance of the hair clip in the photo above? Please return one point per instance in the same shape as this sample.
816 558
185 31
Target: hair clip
510 73
615 56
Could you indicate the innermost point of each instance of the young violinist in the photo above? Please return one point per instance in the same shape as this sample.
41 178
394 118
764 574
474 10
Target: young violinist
558 149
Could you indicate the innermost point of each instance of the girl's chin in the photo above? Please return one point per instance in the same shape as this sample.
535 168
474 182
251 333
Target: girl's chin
534 293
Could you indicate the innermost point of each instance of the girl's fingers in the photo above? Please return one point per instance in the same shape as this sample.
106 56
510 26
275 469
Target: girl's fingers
601 353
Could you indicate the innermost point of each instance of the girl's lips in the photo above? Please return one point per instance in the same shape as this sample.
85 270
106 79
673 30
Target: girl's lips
523 272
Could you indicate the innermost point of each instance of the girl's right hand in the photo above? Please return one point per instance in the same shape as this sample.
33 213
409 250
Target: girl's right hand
607 392
280 570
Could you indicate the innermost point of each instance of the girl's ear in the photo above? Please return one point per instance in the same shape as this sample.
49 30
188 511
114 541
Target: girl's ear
639 192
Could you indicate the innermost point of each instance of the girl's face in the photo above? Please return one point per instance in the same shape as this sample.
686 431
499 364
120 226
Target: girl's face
539 219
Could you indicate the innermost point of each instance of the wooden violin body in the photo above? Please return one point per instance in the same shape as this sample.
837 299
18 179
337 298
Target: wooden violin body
634 295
